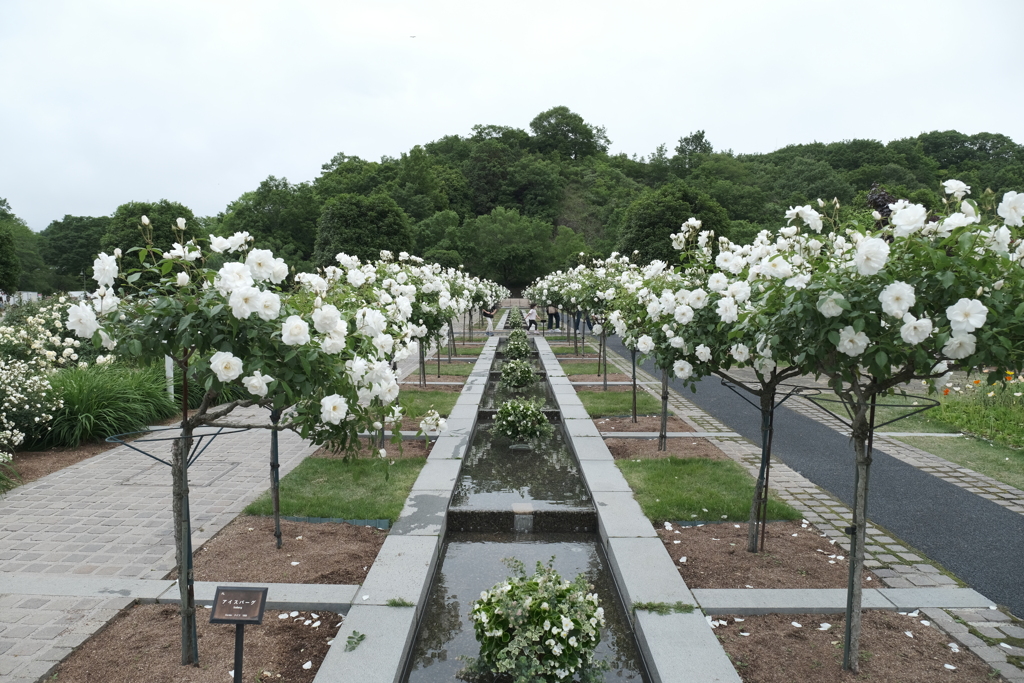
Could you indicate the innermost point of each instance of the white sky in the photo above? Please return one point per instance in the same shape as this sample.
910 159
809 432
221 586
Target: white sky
108 101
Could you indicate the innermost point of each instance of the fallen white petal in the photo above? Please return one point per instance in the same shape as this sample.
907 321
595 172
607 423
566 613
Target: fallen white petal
736 525
869 578
1008 647
715 539
294 614
840 557
307 622
282 616
298 538
316 624
738 620
314 615
725 516
676 542
366 597
308 665
295 564
231 673
744 634
992 607
831 561
824 627
704 509
908 634
682 560
331 641
950 667
926 622
794 535
749 586
914 613
796 624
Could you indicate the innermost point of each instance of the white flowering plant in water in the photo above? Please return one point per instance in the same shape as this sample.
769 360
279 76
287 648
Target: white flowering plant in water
517 374
516 349
538 627
522 420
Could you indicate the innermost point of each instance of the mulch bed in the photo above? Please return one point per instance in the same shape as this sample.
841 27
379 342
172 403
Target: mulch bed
776 651
717 557
143 645
644 423
647 449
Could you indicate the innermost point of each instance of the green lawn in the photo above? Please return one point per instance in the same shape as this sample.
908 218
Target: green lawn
416 402
684 489
609 403
999 462
583 367
356 489
568 350
460 368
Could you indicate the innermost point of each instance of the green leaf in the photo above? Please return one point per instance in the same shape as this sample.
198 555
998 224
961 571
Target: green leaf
185 320
135 347
133 277
882 359
947 278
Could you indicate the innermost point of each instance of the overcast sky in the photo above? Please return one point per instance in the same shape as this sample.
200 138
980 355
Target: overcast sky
109 101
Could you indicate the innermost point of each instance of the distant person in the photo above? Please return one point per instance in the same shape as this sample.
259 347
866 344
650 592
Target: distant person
554 319
488 313
585 315
531 318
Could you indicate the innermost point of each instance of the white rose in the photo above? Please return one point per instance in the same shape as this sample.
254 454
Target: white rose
326 318
260 263
872 254
269 306
257 384
956 188
718 281
334 342
703 352
104 270
645 344
740 352
1011 209
728 312
356 277
333 409
851 342
226 366
682 369
966 315
908 220
683 314
82 320
960 345
915 330
897 298
231 276
182 279
244 301
828 304
294 331
739 290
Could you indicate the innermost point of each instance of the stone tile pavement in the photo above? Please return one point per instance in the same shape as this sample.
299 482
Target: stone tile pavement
110 515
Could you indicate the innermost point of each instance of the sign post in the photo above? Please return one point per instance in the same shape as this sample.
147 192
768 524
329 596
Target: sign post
238 606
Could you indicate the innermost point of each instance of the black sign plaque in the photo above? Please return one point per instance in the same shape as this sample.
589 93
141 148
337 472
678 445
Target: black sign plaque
237 605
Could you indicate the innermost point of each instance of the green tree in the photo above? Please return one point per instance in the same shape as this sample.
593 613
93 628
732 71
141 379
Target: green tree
511 249
10 266
123 230
430 233
280 216
692 150
562 131
657 214
416 189
35 275
69 246
487 172
360 226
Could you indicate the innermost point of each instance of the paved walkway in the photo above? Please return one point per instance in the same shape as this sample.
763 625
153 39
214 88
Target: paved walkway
110 516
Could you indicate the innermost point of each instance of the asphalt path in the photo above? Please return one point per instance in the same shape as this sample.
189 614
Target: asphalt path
979 541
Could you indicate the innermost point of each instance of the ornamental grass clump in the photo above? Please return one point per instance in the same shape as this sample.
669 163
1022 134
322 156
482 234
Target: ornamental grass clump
539 627
522 419
517 374
517 350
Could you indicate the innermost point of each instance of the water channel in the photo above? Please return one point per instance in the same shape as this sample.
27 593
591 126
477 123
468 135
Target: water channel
528 504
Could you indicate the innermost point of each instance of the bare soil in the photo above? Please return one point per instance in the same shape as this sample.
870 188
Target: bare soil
644 423
776 651
717 557
647 449
612 377
246 551
143 645
32 465
413 382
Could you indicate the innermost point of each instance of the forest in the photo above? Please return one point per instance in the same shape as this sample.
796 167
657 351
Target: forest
513 204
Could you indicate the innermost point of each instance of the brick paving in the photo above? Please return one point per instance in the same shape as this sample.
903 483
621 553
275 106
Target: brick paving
110 515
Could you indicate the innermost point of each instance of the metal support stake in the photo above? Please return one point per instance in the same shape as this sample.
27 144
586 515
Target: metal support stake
632 352
663 434
239 641
275 479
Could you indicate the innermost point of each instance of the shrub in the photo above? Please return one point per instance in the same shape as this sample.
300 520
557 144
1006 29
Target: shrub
522 419
538 628
518 335
516 374
515 320
517 350
27 403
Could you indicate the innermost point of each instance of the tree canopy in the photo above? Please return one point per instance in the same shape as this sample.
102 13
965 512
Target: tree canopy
360 226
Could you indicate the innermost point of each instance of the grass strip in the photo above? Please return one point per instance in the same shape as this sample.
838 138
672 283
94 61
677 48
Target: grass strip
684 489
460 368
416 402
583 368
993 460
607 403
353 489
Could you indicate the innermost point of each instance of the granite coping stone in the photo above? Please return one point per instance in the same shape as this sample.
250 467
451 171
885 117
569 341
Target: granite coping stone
591 448
603 475
644 572
783 600
946 598
463 410
379 658
449 447
424 513
573 412
619 516
280 596
402 571
438 475
18 583
682 648
576 427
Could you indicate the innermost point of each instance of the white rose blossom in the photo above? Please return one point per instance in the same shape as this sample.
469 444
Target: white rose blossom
897 298
333 409
257 383
104 270
960 345
828 304
851 342
1011 209
226 366
703 352
871 256
956 188
966 315
682 369
294 331
645 344
915 330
